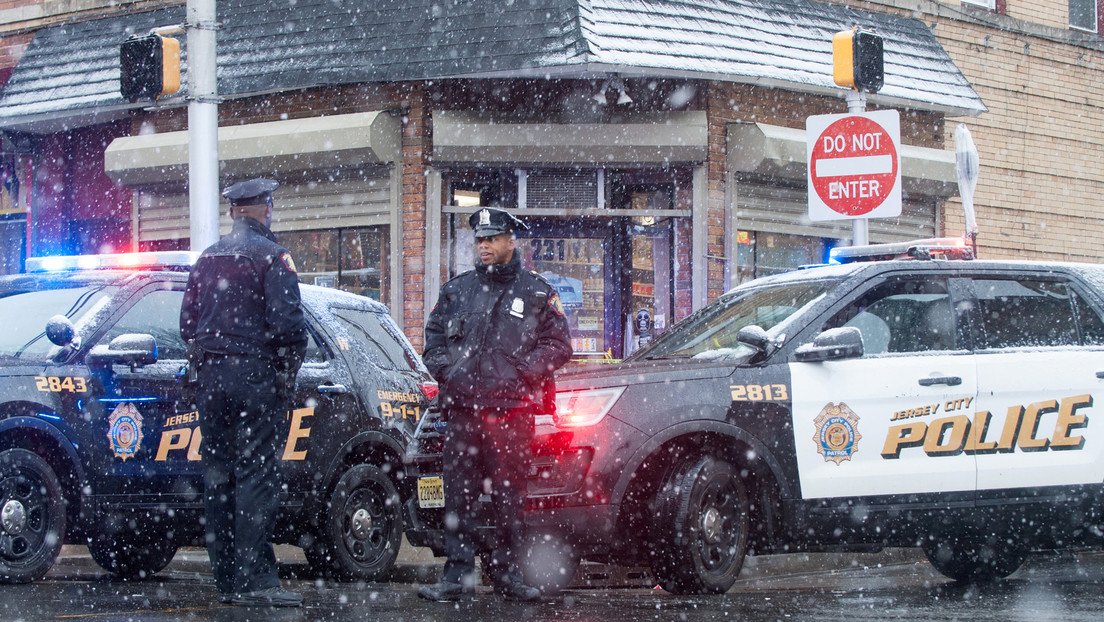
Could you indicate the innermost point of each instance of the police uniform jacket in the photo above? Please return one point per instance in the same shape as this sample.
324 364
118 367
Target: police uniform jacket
495 337
243 297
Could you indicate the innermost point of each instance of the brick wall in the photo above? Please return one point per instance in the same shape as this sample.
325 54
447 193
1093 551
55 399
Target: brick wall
1044 12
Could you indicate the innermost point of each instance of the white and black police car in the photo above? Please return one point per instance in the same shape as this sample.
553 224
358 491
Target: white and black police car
100 445
909 396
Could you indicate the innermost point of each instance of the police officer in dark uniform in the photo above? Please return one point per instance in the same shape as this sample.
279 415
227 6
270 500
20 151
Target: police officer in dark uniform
492 342
246 337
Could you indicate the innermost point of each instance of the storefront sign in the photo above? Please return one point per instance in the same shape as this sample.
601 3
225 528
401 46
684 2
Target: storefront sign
854 169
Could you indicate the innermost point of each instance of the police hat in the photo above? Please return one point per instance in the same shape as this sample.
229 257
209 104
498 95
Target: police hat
250 192
491 221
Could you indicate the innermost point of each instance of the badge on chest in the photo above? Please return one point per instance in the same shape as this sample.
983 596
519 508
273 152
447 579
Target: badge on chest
517 308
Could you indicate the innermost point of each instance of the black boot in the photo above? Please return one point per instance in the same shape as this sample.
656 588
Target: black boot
518 592
443 592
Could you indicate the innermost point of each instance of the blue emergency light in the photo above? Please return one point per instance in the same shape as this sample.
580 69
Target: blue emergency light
165 260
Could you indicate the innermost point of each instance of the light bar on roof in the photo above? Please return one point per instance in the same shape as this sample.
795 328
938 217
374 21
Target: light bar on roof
158 259
931 248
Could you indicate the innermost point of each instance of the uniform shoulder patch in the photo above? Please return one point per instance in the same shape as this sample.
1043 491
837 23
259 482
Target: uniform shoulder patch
556 305
289 263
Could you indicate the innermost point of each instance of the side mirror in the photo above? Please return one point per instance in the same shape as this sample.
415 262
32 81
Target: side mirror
130 349
60 331
832 345
755 337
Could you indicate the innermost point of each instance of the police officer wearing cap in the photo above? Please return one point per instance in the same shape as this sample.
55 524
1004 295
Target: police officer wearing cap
493 341
246 337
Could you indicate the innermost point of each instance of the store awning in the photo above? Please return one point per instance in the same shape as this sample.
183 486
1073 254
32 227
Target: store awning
358 139
775 151
654 138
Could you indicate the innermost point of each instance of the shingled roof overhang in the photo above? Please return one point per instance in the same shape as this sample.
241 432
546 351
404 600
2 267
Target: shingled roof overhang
69 75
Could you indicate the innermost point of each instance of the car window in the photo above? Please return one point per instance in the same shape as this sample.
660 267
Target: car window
1092 327
713 332
1017 313
902 315
157 313
314 352
372 331
25 314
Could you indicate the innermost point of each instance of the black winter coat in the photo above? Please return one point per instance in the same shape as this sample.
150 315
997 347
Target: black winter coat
495 337
243 298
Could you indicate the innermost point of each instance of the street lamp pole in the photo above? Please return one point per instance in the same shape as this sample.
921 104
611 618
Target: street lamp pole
860 227
203 179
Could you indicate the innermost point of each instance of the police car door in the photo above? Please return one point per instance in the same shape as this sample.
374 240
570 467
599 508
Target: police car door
150 435
1040 389
893 421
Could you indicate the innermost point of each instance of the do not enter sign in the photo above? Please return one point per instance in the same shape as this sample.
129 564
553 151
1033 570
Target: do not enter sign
854 168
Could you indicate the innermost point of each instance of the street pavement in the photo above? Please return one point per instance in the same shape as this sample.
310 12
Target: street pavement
894 584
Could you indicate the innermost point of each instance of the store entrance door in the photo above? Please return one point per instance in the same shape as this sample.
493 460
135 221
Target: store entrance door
613 276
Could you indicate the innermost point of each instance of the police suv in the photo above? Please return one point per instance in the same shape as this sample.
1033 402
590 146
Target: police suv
908 396
101 445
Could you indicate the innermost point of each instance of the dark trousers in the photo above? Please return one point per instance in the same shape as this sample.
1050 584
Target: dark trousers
239 414
486 450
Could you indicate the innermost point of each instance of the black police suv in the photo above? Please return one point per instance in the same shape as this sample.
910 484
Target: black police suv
100 442
909 396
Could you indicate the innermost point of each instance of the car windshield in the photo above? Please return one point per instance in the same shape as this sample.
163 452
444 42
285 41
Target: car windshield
25 314
711 333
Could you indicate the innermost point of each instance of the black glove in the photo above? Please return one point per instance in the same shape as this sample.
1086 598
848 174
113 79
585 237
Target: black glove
194 354
287 369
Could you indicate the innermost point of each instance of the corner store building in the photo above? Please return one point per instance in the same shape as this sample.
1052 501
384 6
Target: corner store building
388 123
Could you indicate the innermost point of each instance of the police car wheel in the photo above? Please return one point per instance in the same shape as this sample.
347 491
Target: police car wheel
131 556
700 536
32 516
974 558
362 530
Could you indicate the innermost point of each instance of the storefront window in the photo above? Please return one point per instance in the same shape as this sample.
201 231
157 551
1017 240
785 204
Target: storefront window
763 254
613 261
12 240
354 259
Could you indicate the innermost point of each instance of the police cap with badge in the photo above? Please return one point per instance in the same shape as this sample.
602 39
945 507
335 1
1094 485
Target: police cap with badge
251 192
491 221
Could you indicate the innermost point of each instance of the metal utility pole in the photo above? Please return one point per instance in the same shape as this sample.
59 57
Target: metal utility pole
860 227
203 179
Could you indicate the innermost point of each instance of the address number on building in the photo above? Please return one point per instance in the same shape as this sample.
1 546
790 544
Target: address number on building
431 492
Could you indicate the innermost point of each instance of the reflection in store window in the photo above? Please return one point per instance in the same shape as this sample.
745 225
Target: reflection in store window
354 259
575 268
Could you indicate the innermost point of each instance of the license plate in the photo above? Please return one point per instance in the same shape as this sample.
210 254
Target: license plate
431 492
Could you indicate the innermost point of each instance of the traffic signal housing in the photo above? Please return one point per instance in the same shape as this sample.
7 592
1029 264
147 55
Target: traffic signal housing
150 67
857 60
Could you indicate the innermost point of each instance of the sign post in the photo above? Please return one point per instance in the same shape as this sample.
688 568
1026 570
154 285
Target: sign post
854 170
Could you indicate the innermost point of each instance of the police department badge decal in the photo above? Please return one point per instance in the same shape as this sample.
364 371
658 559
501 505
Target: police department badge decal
837 435
124 431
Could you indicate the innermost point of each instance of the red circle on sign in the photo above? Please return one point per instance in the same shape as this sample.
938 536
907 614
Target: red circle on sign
867 183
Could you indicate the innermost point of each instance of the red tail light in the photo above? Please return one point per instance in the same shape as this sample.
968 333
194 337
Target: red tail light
430 390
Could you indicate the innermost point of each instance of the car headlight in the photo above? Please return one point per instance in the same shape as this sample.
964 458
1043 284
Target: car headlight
587 407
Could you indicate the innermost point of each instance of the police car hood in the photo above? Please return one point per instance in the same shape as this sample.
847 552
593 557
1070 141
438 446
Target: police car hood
645 371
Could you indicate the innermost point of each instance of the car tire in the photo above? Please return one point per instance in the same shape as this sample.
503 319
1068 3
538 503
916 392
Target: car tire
362 528
700 535
974 559
131 556
32 516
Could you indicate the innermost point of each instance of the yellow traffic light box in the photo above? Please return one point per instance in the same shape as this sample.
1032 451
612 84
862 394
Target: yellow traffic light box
857 60
150 67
